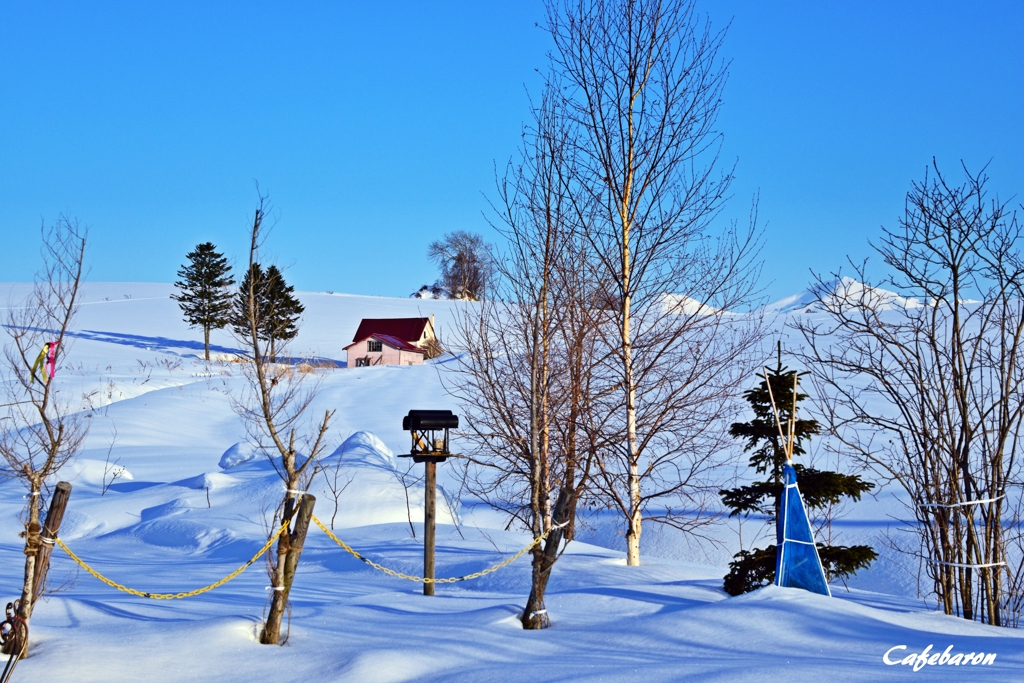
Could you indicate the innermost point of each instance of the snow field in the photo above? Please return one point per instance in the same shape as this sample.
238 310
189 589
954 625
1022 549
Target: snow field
192 505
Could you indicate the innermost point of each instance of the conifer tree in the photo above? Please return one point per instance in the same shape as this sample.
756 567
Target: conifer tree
752 569
255 278
284 311
277 309
203 290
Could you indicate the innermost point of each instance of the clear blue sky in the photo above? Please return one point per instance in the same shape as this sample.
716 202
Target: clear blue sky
375 127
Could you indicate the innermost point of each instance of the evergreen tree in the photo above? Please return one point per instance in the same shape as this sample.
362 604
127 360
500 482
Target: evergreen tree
752 569
277 309
284 309
254 278
203 295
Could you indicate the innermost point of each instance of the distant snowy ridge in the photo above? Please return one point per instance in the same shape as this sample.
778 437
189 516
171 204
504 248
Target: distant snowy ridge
841 290
686 305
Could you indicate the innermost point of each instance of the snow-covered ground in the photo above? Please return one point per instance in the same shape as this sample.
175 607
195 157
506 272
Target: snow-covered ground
190 506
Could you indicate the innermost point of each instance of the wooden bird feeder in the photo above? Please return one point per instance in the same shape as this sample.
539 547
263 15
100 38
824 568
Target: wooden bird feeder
429 430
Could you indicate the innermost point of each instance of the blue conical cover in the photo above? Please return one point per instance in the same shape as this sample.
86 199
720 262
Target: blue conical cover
796 558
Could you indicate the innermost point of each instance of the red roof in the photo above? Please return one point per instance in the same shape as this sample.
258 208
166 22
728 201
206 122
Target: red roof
406 329
390 341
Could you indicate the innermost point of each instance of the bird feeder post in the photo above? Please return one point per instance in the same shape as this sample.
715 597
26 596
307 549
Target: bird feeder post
429 448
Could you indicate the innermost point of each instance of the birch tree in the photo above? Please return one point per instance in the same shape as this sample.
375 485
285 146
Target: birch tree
643 84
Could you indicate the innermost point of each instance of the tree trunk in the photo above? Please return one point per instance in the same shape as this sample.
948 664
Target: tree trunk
31 550
535 614
633 531
635 520
289 547
206 340
298 539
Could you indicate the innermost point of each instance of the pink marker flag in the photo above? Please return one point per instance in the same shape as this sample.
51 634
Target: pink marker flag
51 359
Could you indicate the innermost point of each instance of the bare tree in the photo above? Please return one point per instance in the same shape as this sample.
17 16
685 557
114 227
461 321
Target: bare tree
407 479
43 427
274 409
526 356
465 262
643 87
926 389
335 483
112 471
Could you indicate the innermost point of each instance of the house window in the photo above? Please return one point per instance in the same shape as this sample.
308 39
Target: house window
374 345
362 362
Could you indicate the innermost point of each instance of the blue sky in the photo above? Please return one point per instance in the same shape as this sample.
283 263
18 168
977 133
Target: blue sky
376 127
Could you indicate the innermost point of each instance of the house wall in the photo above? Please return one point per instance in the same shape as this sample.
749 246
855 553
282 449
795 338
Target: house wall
388 356
428 335
411 358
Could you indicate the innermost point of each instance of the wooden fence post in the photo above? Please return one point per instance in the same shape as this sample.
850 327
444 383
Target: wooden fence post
58 503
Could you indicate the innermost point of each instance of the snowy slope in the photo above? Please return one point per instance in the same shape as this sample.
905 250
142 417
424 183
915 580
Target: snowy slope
837 290
191 506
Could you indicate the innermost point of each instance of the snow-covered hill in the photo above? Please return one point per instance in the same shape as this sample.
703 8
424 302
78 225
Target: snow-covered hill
191 505
840 290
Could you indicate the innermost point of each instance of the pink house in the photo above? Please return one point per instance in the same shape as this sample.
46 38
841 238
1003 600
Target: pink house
390 341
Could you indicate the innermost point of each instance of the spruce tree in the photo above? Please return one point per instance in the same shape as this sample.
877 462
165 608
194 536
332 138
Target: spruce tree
255 278
277 309
203 295
284 310
752 569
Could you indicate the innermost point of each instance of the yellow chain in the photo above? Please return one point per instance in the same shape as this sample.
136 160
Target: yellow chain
270 542
172 596
421 579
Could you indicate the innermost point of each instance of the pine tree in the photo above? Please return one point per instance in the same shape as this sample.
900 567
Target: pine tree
752 569
277 309
203 295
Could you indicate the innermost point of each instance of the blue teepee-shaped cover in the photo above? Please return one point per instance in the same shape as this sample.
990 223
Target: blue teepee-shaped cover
797 564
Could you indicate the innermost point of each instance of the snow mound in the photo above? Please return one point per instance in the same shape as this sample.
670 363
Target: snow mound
244 453
841 291
377 490
84 471
171 529
239 453
364 448
210 480
168 509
